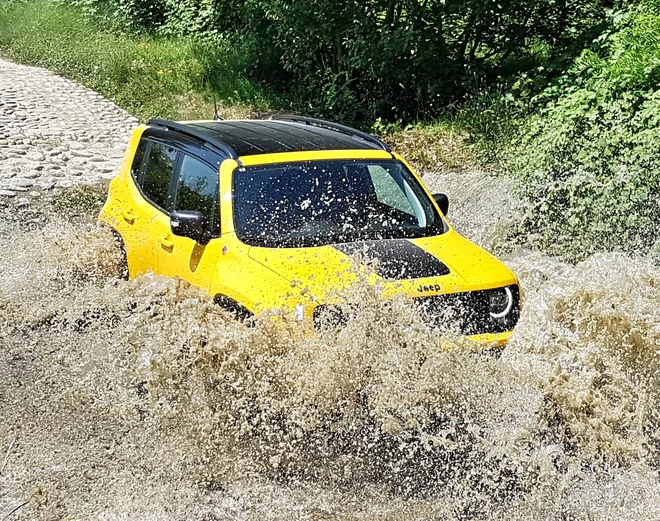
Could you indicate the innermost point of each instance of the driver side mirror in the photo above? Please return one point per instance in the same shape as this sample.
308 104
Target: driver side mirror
443 202
187 223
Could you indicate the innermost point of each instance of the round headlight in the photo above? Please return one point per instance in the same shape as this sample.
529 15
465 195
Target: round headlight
501 302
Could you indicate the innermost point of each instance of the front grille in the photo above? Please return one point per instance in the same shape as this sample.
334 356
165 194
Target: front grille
468 312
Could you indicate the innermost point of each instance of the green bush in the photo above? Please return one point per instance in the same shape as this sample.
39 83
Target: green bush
589 163
360 60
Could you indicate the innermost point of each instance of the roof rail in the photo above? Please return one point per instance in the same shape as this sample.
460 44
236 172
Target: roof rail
333 126
190 131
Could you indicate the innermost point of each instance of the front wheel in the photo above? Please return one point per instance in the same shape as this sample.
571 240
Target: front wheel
123 260
238 310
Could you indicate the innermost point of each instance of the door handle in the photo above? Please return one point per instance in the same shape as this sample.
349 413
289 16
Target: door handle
166 243
128 216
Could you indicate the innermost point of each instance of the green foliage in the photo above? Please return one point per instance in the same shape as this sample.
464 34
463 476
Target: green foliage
563 96
490 118
443 144
589 163
361 60
406 60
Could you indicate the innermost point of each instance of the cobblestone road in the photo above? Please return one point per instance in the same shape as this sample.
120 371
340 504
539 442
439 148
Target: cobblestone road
55 133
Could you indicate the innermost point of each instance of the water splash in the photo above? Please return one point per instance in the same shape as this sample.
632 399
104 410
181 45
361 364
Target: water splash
142 400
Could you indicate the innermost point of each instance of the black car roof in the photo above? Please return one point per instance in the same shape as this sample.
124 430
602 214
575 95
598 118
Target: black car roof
251 137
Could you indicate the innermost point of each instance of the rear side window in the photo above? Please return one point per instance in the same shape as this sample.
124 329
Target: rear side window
138 159
158 175
197 190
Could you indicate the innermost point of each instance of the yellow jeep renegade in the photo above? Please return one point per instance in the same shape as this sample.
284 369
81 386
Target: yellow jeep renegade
264 214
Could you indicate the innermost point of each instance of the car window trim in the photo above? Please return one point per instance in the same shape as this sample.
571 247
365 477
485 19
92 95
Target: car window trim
143 166
174 181
180 153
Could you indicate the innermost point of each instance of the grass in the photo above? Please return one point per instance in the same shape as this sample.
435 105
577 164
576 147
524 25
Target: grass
156 76
438 145
147 76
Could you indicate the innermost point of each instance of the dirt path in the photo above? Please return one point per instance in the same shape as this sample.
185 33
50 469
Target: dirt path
55 133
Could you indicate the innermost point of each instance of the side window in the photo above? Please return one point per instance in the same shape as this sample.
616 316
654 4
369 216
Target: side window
197 190
138 159
389 191
158 175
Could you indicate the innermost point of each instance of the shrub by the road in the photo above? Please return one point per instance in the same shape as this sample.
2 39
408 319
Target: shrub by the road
589 161
358 61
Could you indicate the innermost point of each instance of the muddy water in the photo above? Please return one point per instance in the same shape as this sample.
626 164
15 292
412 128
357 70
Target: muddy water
141 400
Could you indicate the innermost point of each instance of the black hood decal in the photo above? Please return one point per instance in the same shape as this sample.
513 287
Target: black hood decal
398 259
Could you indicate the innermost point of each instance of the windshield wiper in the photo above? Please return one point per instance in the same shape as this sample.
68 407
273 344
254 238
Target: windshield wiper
324 240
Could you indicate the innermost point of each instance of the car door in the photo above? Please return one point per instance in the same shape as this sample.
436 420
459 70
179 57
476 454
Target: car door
152 210
195 189
141 205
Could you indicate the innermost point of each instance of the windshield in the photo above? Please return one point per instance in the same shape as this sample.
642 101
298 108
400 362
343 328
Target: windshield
325 202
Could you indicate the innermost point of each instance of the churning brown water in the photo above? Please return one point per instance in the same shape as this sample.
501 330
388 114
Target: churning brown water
142 401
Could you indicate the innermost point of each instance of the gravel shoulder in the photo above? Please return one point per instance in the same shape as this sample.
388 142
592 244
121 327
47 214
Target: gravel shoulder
55 133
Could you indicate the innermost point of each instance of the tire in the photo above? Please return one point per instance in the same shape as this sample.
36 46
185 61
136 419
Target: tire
125 275
237 310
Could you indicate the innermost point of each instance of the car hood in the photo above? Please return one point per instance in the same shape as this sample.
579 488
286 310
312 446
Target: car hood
446 263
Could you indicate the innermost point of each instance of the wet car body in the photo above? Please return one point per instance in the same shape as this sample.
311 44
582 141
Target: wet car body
268 214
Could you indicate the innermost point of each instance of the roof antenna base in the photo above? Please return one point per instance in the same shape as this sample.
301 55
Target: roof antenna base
215 109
